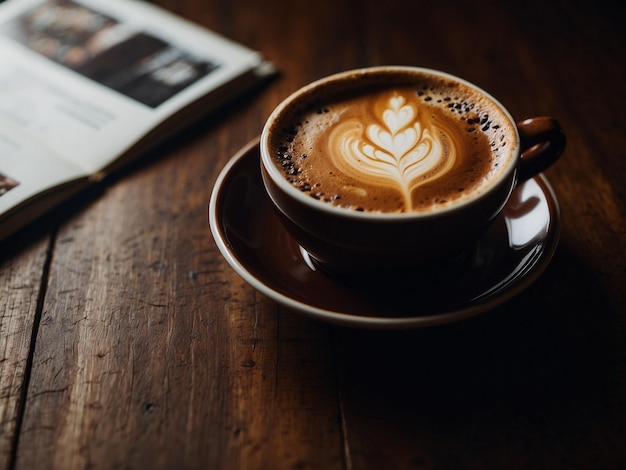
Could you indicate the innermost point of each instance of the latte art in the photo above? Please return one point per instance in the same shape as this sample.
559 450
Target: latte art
404 151
414 146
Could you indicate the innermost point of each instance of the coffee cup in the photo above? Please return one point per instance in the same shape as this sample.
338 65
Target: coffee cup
386 170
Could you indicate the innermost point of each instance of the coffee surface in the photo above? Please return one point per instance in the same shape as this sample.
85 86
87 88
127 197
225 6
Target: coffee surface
393 148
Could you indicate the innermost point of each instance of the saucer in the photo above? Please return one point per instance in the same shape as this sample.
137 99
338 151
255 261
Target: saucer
511 255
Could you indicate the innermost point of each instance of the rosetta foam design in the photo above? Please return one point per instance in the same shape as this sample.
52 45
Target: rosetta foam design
403 153
417 145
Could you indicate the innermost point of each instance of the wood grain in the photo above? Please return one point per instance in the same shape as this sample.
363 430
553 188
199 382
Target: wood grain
150 352
21 273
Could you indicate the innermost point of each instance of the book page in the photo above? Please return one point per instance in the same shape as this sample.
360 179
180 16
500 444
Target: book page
89 78
30 168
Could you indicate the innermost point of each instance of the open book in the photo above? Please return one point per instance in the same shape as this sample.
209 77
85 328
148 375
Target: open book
86 85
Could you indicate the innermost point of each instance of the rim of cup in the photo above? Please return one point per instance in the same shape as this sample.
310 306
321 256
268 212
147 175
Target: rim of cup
279 178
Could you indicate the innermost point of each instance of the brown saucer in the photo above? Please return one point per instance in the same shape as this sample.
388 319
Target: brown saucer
507 259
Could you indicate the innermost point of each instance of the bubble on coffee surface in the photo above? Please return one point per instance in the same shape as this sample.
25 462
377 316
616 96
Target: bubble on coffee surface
401 149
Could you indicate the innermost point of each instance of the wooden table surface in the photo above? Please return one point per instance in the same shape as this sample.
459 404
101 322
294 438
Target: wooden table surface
127 341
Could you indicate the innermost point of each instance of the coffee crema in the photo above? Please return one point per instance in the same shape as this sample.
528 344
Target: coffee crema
393 148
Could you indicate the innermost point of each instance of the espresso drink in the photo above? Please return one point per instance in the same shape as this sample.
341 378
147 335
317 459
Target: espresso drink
400 142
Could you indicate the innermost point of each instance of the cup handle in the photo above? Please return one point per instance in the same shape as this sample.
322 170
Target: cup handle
542 141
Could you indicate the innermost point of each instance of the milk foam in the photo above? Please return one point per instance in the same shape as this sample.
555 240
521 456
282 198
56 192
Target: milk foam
403 149
396 149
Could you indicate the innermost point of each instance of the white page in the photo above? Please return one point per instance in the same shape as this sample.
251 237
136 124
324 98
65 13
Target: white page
80 119
33 168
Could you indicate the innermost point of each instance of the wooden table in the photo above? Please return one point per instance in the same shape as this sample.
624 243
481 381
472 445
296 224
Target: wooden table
127 341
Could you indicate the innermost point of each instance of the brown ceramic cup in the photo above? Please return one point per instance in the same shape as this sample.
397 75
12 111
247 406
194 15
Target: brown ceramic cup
392 133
